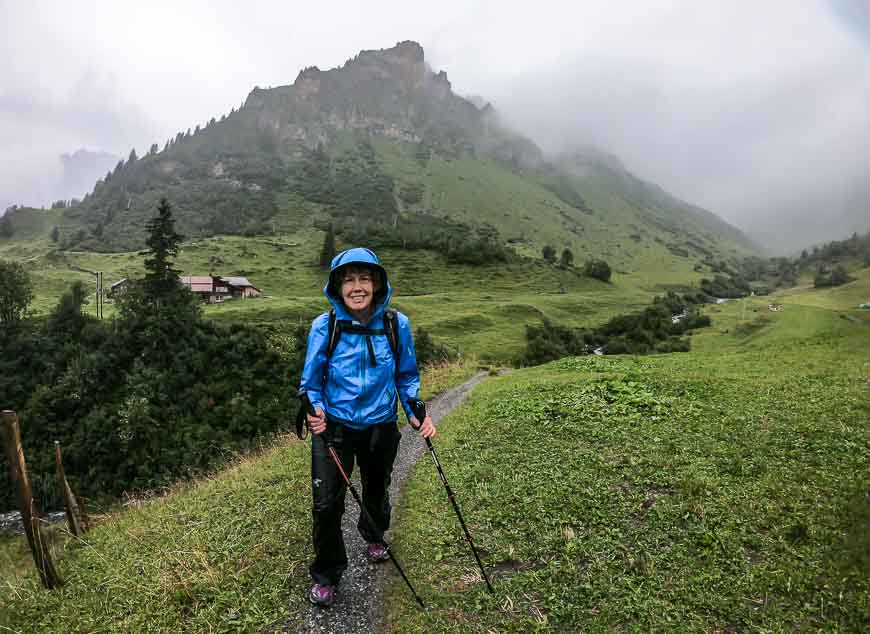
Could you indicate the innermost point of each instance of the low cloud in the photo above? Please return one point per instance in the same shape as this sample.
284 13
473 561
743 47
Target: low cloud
758 111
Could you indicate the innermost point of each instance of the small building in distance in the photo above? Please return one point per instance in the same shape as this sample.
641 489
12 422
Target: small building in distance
203 286
240 287
213 289
118 289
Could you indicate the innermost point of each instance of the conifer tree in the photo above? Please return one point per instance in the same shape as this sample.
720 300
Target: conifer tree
133 156
161 280
567 258
328 251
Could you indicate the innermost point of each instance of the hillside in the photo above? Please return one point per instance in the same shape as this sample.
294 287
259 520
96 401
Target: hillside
385 141
723 489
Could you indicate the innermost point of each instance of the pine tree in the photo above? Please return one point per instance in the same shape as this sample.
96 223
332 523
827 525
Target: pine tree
133 157
161 280
328 251
567 258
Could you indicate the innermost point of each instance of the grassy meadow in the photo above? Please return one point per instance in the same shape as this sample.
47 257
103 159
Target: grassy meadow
721 490
476 310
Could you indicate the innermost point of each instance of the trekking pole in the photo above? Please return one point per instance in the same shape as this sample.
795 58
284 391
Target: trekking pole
310 409
419 409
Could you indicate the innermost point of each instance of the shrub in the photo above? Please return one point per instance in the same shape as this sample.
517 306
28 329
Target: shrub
549 254
428 351
598 269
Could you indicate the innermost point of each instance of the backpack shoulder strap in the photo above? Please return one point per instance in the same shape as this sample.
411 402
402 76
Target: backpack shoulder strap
334 333
391 329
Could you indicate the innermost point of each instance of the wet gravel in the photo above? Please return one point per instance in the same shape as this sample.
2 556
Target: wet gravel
356 608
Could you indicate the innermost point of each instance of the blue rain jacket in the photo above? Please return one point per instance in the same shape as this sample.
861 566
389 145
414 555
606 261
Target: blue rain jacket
350 390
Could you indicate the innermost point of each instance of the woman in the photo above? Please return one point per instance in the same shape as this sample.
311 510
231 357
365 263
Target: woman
359 364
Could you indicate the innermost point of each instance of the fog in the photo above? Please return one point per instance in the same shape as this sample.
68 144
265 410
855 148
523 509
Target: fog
759 112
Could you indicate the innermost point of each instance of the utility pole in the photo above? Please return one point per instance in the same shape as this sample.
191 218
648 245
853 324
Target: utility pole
99 306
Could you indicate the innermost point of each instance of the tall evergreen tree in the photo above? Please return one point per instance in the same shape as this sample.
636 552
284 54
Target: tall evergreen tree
549 254
567 258
161 280
328 251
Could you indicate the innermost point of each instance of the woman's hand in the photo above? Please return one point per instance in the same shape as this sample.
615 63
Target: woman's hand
427 429
317 424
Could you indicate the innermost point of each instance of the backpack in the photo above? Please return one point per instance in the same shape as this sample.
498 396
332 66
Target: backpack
338 326
390 329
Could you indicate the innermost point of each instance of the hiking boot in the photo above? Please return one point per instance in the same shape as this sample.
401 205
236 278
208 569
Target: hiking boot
321 595
377 553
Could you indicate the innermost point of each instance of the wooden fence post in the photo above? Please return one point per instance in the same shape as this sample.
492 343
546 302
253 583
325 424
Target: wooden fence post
29 510
74 516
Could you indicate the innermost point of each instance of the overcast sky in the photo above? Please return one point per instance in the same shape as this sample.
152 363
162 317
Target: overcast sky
755 110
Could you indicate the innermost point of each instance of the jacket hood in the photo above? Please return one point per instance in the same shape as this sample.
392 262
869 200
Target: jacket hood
359 256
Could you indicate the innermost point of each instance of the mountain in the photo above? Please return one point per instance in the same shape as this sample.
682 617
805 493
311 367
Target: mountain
386 152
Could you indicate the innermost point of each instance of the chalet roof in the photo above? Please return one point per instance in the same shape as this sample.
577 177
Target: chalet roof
198 283
195 279
238 281
118 283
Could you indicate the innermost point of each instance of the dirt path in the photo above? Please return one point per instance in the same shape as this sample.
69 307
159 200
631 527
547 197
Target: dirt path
356 609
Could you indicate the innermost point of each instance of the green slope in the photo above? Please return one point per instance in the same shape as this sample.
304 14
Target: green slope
719 490
722 489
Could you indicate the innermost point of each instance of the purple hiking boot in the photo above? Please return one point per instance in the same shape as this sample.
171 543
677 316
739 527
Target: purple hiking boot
321 595
377 553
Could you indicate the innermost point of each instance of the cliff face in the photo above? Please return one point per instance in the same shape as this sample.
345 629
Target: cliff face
388 92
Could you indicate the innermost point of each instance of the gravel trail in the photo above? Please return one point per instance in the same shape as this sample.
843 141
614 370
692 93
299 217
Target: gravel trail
356 609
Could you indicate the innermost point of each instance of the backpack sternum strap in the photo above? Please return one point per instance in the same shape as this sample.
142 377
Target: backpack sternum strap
390 329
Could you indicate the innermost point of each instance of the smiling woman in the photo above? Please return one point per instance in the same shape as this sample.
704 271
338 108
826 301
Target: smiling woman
358 288
360 364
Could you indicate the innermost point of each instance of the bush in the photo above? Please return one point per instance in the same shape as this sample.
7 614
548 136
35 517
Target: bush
598 269
651 330
428 351
550 341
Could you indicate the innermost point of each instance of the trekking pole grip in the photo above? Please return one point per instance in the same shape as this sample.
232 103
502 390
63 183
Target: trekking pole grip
418 407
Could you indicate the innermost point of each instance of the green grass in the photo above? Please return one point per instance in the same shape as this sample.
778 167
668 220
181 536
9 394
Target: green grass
720 490
723 489
477 310
226 552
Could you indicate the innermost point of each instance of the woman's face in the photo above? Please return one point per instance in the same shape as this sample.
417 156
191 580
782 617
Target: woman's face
358 290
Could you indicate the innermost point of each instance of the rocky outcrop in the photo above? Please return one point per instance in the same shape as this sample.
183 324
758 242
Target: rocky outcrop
389 92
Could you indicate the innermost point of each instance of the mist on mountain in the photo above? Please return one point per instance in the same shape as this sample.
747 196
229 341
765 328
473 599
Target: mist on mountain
757 112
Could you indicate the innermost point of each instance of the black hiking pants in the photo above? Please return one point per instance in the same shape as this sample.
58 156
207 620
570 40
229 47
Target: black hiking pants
375 450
